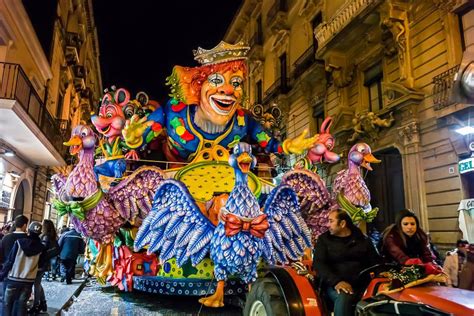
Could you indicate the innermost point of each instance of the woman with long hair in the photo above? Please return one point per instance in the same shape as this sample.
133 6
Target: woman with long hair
405 240
466 277
49 240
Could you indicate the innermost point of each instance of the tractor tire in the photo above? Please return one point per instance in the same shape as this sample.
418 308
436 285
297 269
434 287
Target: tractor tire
265 299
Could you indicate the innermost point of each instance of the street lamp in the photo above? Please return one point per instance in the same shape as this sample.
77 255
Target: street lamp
465 130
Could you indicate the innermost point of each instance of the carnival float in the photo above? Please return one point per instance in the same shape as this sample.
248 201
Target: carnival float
202 223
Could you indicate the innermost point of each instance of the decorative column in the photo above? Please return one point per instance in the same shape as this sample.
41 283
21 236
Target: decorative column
414 184
395 19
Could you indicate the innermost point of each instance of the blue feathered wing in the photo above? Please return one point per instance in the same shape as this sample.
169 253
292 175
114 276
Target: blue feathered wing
288 236
175 226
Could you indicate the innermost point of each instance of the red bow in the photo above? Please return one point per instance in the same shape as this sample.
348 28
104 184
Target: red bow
234 224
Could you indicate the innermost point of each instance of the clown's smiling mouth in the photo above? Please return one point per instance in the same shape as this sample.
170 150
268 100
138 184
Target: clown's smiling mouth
222 104
104 130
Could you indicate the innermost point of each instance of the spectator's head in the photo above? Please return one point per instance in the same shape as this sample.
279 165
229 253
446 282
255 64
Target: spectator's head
48 229
462 245
63 230
407 223
470 252
339 222
21 223
35 228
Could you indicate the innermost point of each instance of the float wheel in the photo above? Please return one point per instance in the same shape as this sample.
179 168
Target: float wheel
265 299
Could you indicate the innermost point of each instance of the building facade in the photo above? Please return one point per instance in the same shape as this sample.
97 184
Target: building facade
385 71
50 78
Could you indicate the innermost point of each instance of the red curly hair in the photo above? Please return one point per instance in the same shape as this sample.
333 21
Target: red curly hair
190 80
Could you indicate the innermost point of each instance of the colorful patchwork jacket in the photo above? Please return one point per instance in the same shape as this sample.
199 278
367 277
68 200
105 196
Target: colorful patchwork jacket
185 138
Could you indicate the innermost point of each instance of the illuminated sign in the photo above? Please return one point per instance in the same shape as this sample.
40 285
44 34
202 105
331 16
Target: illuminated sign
466 165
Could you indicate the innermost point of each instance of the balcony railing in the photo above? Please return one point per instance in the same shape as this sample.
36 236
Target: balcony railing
79 77
277 88
15 85
73 39
272 91
345 14
443 87
303 62
73 46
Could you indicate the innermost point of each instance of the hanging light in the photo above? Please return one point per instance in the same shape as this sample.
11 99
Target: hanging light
9 153
465 130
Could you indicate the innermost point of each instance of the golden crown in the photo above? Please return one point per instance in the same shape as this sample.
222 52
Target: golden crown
223 52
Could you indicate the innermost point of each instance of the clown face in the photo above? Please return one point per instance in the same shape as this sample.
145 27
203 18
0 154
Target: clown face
110 121
221 93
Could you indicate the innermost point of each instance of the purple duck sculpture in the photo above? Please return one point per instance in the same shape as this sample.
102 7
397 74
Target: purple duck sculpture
349 182
94 213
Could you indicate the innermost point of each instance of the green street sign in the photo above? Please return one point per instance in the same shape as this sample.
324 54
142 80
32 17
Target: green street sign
466 165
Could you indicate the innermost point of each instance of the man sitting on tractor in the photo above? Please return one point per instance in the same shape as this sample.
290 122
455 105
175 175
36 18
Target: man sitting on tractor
340 255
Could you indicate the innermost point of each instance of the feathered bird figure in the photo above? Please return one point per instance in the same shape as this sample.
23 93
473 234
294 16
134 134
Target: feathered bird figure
176 228
314 197
94 213
350 182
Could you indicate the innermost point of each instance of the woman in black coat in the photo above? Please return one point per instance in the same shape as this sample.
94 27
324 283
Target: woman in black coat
49 240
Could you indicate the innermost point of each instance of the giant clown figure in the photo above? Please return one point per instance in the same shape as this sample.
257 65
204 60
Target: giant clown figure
206 109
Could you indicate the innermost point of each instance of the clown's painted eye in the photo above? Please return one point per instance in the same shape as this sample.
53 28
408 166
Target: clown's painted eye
216 80
236 82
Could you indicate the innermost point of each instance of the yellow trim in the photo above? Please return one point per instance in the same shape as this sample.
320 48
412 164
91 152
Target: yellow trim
201 138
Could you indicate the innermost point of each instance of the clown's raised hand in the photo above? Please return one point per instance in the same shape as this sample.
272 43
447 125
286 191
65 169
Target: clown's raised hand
134 129
299 144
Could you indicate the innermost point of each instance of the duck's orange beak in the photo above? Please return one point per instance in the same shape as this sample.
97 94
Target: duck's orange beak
244 161
76 144
368 159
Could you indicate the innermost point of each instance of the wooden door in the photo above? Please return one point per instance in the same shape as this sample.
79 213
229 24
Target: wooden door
385 183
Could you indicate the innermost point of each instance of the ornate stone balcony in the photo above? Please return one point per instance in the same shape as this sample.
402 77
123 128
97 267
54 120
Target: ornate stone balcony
325 32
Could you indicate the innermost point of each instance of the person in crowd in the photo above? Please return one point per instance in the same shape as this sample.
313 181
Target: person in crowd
405 240
434 251
466 277
50 242
63 230
18 231
6 229
71 245
21 224
454 262
340 255
20 269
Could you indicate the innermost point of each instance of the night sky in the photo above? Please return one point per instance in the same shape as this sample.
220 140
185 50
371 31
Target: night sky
141 40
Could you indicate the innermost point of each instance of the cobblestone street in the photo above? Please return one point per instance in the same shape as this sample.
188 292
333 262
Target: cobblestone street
97 300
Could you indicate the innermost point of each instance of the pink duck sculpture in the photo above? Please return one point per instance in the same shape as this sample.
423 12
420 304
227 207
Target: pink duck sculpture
97 214
349 187
314 198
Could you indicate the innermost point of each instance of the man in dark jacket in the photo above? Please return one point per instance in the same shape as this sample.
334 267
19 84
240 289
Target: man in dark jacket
71 245
340 255
21 223
6 245
19 270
